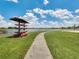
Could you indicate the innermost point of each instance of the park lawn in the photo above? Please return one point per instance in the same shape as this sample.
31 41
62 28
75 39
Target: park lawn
15 48
63 45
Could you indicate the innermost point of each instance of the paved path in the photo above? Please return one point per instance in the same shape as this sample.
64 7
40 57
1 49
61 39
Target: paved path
39 49
75 31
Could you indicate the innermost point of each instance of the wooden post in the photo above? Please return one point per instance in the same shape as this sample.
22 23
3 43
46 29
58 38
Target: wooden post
74 26
19 28
24 26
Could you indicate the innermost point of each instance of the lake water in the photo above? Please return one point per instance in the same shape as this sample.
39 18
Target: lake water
12 31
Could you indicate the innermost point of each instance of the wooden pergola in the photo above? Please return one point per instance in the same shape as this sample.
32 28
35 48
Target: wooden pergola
21 22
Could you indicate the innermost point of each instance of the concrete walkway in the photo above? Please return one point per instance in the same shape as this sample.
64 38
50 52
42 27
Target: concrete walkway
75 31
39 49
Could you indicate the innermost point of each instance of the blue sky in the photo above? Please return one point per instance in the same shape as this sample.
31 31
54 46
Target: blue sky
46 12
9 8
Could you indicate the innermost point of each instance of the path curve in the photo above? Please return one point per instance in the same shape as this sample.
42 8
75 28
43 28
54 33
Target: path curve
39 49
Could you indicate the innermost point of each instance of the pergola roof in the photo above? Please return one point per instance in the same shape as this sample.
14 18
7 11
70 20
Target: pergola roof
18 20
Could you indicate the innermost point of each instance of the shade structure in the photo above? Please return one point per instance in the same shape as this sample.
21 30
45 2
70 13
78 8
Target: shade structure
21 22
18 20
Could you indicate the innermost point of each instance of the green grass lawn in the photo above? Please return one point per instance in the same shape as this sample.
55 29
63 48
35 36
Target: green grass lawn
63 45
15 48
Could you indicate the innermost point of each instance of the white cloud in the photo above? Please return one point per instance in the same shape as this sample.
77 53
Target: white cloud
11 24
1 17
77 11
31 18
34 21
15 1
61 13
40 11
4 23
54 24
45 2
66 16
